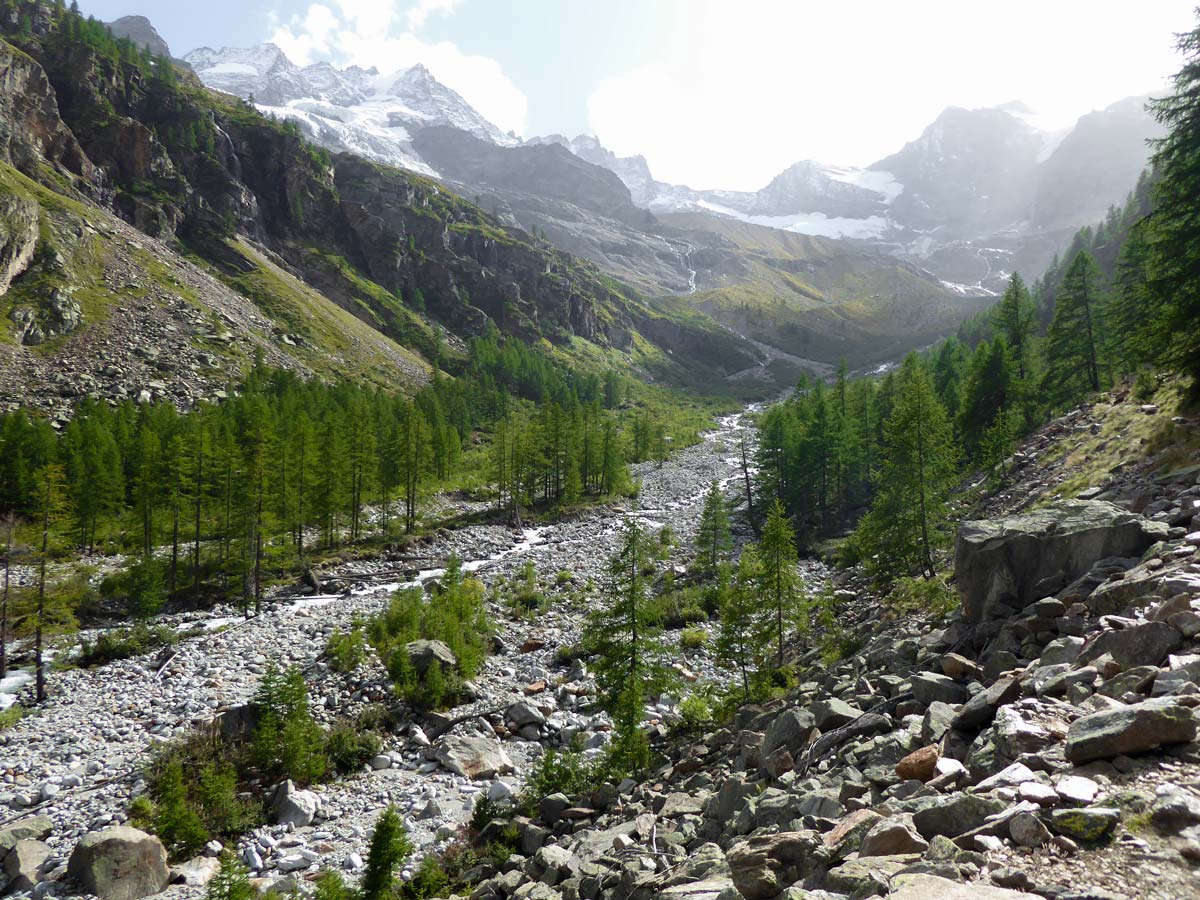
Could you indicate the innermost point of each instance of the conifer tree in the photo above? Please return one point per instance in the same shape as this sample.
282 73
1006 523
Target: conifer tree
9 524
914 481
1016 319
782 594
713 539
741 641
51 481
390 847
1072 359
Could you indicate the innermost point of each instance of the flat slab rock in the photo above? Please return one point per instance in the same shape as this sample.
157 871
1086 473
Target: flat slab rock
1016 560
1138 728
930 887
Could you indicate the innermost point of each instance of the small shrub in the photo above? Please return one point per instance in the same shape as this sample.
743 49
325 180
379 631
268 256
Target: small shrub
932 596
345 651
428 881
563 577
11 716
287 742
125 644
564 771
1144 386
526 597
349 747
695 713
232 882
693 638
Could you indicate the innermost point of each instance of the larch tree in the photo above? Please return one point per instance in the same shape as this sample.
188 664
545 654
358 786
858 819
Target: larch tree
713 539
781 592
741 642
1015 318
51 481
1072 357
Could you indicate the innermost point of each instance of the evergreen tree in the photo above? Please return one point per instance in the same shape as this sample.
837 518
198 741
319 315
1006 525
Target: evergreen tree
713 539
782 594
989 392
914 480
1072 360
9 524
390 847
51 481
741 641
1016 319
1174 236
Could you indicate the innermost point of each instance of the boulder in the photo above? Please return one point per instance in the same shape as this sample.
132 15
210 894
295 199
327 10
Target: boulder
920 764
1027 830
791 730
524 713
894 835
981 709
1141 645
196 872
22 863
119 863
930 687
1016 560
932 887
1130 729
1089 824
762 866
473 756
35 828
424 653
955 814
832 713
291 806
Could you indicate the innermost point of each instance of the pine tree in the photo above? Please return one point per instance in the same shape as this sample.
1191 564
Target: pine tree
1174 271
914 480
9 524
713 540
1016 319
989 392
390 847
51 481
782 594
741 642
1072 360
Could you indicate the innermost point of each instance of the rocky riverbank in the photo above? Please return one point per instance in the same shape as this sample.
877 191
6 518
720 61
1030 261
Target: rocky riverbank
76 760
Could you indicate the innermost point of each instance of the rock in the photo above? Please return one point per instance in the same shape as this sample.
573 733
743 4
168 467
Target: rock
196 872
1089 824
707 889
1175 810
524 713
34 828
762 866
931 887
119 863
1016 560
1129 729
831 713
1077 789
981 709
22 863
846 836
473 756
423 653
1027 830
920 764
552 807
1141 645
955 814
291 806
930 687
893 836
957 666
791 730
867 876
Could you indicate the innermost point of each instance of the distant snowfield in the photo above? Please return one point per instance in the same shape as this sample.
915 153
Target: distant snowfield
876 180
816 224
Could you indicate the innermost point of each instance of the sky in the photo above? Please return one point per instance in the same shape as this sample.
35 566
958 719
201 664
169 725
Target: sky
720 93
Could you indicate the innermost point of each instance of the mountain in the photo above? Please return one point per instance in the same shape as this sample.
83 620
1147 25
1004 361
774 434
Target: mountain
250 240
139 30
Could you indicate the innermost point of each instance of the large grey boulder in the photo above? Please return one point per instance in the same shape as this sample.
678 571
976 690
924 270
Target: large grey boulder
931 887
31 828
119 863
1140 645
1016 560
291 806
763 866
22 863
1130 729
791 729
473 756
424 653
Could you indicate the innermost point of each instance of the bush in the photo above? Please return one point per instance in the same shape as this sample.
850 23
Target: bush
932 596
679 607
349 746
125 643
232 882
287 742
526 598
346 651
429 880
695 713
1144 386
11 716
693 638
565 772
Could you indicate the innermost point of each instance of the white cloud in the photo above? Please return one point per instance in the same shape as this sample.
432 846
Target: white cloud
372 33
747 87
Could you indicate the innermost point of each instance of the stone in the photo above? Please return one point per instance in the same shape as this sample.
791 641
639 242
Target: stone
196 872
930 687
867 876
791 730
846 836
1141 645
1138 728
473 756
920 764
955 814
955 665
22 863
1010 776
832 713
524 713
706 889
1089 824
424 653
1027 830
1015 560
1077 789
892 836
1175 810
981 709
762 866
291 806
932 887
34 828
119 863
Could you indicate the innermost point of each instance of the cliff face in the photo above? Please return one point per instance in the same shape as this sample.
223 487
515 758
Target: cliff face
104 122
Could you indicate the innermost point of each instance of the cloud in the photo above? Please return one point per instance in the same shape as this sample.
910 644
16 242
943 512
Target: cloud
743 89
372 33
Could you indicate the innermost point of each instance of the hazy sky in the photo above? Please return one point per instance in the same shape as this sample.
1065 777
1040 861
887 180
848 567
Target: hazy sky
720 93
